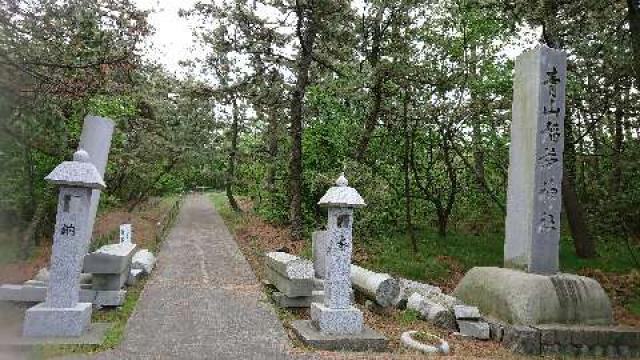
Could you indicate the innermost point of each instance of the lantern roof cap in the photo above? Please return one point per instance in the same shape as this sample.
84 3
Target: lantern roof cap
77 173
342 195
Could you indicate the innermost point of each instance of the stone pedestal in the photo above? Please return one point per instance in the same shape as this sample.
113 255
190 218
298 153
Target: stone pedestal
336 321
521 298
44 321
365 340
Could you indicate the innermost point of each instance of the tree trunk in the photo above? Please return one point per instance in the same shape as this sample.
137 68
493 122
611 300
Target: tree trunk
582 239
231 165
307 39
272 149
634 27
616 164
443 220
378 76
407 179
583 242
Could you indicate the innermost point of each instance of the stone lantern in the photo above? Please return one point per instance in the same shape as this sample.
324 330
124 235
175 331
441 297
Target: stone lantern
61 315
336 316
335 324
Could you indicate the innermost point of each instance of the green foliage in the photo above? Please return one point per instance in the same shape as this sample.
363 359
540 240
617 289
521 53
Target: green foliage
409 316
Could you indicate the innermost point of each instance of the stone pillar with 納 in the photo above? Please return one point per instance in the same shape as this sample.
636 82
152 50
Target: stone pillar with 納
61 315
532 228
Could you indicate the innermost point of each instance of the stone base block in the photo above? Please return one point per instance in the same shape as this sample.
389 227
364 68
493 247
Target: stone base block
43 321
522 298
365 340
95 335
476 329
21 293
11 292
109 259
336 321
104 298
290 287
284 301
110 281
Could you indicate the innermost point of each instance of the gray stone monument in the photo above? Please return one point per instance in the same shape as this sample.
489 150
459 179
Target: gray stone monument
96 141
337 316
61 315
335 323
530 291
534 198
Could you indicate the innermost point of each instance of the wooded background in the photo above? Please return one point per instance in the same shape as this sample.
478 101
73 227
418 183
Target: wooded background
412 99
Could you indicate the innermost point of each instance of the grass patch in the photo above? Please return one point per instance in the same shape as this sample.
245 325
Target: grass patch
437 256
409 316
232 219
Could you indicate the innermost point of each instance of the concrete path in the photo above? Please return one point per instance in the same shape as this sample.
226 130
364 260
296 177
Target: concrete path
203 301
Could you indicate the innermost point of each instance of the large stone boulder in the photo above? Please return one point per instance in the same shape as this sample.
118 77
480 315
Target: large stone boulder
523 298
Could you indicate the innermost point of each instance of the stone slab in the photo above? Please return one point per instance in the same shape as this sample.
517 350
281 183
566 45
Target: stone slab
336 321
366 340
319 249
523 298
109 259
464 312
110 281
284 301
44 321
10 292
20 293
94 335
289 287
289 266
476 329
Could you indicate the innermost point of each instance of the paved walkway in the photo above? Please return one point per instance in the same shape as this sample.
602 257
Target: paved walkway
203 301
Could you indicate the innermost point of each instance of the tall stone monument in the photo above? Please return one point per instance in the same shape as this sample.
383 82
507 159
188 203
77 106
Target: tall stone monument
336 323
61 315
95 139
535 162
530 290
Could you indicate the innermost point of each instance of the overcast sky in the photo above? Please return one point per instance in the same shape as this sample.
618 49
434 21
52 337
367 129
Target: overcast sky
173 38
